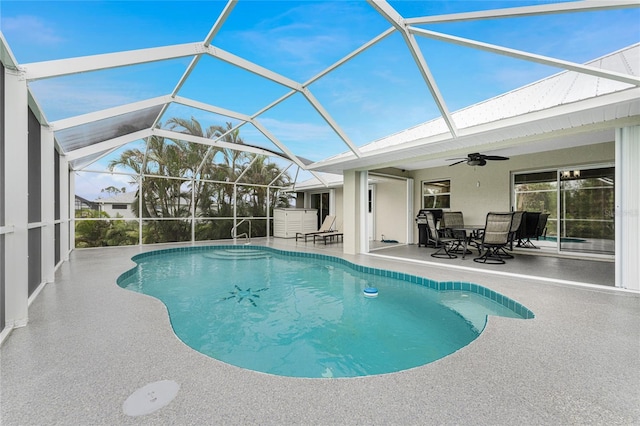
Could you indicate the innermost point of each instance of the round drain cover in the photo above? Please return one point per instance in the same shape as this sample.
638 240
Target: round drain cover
150 398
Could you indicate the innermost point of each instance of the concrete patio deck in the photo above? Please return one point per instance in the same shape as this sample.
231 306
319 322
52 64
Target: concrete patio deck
89 344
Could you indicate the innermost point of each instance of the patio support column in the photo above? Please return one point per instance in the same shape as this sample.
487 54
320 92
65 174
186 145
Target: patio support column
65 197
354 215
16 169
72 209
627 214
410 212
47 205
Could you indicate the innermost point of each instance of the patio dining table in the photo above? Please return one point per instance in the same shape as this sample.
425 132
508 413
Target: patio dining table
464 234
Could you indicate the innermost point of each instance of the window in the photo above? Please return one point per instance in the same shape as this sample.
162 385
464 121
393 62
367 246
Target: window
119 207
436 194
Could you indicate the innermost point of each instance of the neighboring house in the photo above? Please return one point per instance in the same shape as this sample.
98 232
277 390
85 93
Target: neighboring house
118 205
121 204
84 204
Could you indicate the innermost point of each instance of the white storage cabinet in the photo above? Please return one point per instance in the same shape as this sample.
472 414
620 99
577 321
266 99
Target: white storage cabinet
288 222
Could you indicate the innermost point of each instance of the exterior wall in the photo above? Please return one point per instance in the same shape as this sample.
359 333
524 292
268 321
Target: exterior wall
2 202
478 190
125 213
628 207
339 208
390 210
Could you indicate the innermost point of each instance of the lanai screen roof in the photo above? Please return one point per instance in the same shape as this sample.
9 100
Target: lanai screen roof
320 84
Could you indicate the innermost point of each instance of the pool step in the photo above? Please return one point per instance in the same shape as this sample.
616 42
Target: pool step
239 254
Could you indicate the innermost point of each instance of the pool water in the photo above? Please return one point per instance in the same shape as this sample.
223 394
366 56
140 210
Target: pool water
307 316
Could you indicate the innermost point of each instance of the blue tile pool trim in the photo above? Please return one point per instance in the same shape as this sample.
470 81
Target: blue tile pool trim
516 307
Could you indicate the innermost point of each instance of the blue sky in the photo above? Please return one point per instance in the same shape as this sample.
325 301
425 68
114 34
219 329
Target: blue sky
378 93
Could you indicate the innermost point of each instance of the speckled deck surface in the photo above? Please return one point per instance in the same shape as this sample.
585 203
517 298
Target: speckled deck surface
90 344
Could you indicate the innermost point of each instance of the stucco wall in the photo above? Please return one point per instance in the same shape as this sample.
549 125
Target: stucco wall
339 209
125 213
478 190
390 208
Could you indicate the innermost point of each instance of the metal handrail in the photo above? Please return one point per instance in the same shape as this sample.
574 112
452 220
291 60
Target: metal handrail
247 236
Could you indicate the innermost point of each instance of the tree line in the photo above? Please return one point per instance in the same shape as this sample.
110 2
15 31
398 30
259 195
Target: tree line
180 178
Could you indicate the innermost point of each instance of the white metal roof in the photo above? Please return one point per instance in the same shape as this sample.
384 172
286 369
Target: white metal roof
123 198
579 92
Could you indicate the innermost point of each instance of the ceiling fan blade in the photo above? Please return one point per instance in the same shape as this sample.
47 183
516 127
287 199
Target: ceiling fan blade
458 162
454 159
494 157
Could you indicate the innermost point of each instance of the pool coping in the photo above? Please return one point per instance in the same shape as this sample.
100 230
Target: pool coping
518 308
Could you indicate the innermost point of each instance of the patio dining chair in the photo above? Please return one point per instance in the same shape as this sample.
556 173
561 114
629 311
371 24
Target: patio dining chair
516 224
541 228
444 244
528 229
495 236
451 221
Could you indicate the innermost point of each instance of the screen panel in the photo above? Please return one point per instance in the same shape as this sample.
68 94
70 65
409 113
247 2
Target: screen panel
35 170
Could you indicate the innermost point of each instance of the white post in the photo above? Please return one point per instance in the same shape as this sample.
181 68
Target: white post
410 212
16 201
627 214
140 201
47 182
363 208
193 210
72 209
65 197
235 211
355 212
268 211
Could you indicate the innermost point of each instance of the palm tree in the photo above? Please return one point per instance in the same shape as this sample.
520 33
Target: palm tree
262 172
195 165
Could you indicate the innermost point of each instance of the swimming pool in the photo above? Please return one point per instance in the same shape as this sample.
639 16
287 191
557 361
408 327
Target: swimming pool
306 315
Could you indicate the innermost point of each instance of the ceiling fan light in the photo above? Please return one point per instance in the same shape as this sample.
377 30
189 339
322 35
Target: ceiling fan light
474 162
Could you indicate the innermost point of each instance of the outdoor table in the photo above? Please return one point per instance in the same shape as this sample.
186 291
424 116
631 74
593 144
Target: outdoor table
464 233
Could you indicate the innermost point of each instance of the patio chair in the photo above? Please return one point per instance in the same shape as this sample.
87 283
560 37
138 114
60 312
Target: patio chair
495 236
516 223
451 221
327 225
528 229
442 243
541 228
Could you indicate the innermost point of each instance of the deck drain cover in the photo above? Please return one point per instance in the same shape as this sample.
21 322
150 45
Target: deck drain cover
150 398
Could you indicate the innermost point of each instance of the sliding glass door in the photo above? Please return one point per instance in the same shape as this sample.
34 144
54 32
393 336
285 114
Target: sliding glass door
321 202
587 198
538 192
580 203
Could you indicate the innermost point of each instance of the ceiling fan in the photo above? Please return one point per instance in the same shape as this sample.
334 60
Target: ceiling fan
476 159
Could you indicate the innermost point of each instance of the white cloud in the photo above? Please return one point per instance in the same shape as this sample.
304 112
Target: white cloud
288 130
32 29
330 31
88 185
65 99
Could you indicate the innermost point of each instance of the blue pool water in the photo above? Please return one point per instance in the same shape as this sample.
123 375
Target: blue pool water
304 315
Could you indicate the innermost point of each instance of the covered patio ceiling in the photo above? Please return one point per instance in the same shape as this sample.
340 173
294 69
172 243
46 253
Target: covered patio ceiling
327 116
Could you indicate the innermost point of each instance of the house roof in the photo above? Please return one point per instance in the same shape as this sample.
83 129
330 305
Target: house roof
325 180
564 102
123 198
